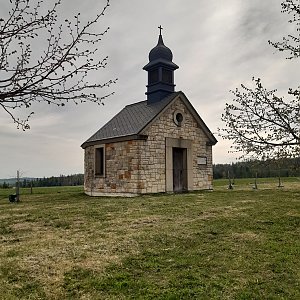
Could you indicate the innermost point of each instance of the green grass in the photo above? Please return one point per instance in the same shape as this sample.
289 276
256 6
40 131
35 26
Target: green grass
227 244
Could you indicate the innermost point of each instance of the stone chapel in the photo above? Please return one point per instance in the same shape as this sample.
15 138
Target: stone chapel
154 146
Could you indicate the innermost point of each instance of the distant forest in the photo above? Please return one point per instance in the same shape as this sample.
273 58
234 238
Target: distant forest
283 168
62 180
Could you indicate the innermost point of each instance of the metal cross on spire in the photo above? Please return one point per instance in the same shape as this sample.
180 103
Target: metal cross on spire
160 29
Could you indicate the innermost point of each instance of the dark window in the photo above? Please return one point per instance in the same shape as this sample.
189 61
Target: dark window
99 161
167 76
153 76
179 118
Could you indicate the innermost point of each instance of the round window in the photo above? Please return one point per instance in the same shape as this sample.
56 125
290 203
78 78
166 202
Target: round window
178 118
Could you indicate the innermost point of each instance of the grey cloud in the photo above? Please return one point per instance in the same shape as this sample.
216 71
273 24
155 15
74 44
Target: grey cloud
217 44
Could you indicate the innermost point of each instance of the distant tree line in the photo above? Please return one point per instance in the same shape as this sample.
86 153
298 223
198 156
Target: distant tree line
5 185
62 180
274 168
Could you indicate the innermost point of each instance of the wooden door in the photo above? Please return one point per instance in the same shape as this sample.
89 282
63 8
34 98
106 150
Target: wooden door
179 170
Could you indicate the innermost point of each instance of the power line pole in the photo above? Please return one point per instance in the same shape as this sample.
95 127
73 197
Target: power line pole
18 187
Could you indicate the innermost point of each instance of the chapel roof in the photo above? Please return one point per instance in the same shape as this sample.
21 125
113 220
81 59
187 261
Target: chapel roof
130 120
133 118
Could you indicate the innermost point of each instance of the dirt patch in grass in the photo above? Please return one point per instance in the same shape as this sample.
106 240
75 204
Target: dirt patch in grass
24 226
248 236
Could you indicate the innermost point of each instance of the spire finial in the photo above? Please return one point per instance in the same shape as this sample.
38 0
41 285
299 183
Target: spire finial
160 29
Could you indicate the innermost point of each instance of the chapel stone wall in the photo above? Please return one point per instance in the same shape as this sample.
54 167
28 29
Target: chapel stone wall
139 166
121 169
153 151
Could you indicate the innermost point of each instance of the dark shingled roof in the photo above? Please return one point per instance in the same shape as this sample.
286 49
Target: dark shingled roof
131 120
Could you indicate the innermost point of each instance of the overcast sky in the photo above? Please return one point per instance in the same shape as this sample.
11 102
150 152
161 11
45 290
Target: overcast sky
217 44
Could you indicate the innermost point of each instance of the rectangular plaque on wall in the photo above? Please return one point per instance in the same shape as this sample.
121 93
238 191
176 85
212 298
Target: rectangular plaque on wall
202 160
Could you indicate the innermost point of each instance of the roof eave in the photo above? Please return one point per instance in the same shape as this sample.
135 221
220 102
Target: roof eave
115 140
201 123
160 61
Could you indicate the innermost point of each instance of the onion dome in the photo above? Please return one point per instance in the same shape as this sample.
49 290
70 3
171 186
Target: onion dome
160 54
160 51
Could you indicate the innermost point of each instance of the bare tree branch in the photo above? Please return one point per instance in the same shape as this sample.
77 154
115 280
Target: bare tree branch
260 124
291 43
60 74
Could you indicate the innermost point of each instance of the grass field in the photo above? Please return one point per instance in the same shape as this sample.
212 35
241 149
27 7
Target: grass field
226 244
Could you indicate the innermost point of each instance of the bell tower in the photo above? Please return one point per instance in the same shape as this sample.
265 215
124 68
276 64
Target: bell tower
160 72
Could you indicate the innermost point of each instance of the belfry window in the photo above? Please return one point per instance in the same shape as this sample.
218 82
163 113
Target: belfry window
153 76
167 76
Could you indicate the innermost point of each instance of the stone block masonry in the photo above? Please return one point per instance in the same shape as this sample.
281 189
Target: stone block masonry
139 166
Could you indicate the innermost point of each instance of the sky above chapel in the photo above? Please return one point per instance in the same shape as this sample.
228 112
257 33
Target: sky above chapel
217 45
